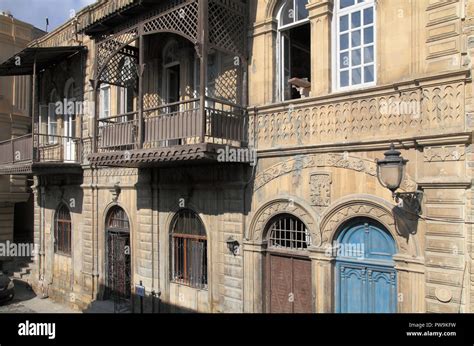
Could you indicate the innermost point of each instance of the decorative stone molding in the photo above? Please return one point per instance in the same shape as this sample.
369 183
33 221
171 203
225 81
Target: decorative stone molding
273 208
323 160
444 153
371 207
112 172
320 184
116 190
439 110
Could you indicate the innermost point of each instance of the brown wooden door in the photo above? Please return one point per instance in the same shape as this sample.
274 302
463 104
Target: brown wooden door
288 285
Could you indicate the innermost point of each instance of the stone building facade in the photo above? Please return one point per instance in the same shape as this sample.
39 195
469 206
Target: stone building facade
15 121
146 200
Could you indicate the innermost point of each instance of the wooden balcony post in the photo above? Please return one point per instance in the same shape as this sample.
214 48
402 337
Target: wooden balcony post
33 115
141 70
95 123
204 36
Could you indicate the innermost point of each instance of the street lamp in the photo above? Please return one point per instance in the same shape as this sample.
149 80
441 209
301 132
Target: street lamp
390 173
391 170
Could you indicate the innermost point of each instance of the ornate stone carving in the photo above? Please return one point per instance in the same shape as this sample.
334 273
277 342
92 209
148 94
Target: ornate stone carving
444 153
264 215
115 191
416 112
350 209
323 160
320 184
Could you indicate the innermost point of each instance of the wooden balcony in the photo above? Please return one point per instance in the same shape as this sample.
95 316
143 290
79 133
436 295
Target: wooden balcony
41 154
177 132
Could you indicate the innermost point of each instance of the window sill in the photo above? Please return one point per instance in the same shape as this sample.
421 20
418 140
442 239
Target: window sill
177 283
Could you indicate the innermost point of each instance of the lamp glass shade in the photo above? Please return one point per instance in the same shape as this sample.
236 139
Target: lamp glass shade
391 175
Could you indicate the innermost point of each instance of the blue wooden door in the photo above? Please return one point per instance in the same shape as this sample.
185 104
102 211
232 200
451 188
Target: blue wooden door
365 276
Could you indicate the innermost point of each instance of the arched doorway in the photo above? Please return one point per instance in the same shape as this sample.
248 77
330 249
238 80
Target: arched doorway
366 280
287 266
118 264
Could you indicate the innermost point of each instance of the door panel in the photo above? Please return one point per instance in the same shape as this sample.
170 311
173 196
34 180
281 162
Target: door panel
366 284
382 291
280 284
366 289
290 285
302 286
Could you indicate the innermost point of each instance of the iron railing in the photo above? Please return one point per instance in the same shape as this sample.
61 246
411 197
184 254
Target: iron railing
40 148
173 124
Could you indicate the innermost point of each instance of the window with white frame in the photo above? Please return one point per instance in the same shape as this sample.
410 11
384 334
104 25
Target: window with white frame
104 101
355 42
52 117
294 49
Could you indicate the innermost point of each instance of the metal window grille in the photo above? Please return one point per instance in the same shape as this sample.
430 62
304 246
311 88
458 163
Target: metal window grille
118 220
189 250
62 231
288 232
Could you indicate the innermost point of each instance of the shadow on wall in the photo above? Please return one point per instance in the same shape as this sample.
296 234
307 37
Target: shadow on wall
183 181
406 222
116 305
67 189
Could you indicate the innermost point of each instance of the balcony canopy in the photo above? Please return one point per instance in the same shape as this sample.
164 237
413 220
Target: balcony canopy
22 63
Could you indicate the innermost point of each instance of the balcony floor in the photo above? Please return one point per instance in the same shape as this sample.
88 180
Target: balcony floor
166 156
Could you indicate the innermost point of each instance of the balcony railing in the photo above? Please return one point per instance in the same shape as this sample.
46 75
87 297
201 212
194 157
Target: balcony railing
16 150
38 149
175 124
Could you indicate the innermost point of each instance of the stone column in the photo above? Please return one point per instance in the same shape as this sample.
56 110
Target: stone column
320 15
323 280
411 284
253 276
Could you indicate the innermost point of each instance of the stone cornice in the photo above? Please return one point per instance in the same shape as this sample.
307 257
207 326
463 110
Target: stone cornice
368 145
445 182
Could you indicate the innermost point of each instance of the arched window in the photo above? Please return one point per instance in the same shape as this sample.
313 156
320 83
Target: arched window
117 220
354 38
188 250
62 230
286 231
294 49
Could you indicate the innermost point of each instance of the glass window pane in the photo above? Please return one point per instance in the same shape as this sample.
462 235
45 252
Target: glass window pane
344 78
369 74
344 60
288 13
355 20
356 58
369 35
346 3
344 41
302 11
368 54
356 76
368 16
355 38
344 23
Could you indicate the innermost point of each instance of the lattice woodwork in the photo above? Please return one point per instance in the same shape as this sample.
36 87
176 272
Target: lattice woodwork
227 26
183 19
110 71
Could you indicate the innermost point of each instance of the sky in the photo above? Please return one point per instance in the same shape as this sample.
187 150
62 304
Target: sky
35 11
